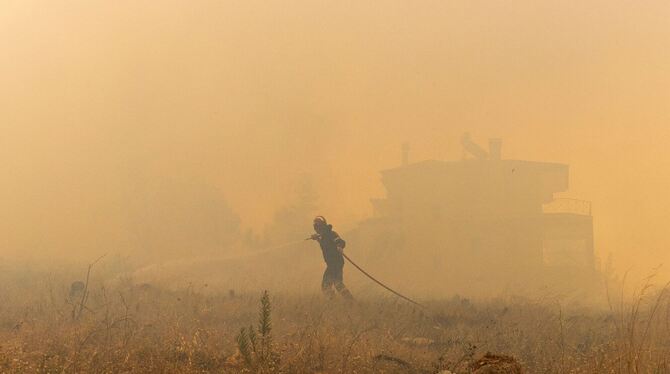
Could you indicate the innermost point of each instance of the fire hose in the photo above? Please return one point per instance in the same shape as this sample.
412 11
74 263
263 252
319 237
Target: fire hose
376 280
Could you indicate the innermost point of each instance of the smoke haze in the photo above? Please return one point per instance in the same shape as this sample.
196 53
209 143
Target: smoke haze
110 109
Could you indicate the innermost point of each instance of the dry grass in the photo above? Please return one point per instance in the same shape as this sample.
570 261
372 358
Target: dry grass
143 328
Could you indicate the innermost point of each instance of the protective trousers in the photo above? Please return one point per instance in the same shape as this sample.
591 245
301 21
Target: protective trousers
333 277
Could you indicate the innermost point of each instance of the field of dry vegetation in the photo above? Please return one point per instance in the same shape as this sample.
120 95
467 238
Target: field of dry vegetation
128 327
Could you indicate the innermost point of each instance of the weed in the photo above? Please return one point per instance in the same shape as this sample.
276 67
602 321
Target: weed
257 348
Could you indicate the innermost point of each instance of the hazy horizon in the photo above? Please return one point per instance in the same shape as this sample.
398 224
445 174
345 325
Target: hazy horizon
104 101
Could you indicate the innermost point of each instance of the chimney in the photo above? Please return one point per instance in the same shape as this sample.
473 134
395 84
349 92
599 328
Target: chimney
405 154
495 149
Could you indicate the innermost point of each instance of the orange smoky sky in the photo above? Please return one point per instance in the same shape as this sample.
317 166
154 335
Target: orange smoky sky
98 97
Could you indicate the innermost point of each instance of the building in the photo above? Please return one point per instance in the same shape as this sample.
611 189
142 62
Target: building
482 225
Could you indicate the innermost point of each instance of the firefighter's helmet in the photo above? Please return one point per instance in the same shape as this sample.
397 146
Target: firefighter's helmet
319 223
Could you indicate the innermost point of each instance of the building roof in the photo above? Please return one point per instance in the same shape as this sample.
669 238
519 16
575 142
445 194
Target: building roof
554 176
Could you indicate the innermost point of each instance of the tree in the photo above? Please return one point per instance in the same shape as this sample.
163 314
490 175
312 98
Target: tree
177 218
292 222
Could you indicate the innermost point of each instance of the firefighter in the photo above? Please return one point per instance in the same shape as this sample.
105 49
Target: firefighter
332 247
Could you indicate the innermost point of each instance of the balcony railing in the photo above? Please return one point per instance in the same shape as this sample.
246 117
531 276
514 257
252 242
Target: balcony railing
570 206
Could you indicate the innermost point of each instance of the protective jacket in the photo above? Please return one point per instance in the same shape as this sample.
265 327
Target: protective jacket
329 241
